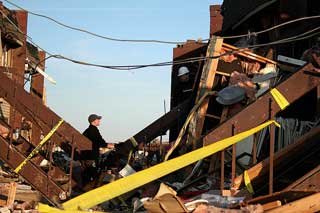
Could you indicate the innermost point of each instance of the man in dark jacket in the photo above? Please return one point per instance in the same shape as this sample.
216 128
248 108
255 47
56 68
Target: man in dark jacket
93 134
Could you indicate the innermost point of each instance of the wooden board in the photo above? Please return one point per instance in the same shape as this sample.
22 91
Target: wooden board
307 204
12 193
271 205
247 54
206 83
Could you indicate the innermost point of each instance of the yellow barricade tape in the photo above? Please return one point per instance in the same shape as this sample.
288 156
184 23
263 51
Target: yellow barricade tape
124 185
279 98
43 208
247 182
37 149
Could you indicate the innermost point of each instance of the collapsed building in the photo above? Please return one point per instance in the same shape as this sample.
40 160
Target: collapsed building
243 124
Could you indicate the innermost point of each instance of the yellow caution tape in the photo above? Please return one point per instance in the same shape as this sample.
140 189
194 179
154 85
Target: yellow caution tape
280 99
43 208
248 182
124 185
134 141
37 149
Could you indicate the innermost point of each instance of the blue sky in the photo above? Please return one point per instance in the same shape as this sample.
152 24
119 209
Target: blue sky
128 101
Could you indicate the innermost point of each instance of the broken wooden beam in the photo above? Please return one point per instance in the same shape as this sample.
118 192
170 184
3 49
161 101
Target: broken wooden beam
271 205
205 85
247 54
12 193
307 204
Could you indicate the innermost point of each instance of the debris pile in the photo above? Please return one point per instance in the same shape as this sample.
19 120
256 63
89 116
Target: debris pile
244 126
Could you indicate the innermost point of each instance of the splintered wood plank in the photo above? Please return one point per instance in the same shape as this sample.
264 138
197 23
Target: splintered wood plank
12 193
307 204
247 54
3 202
206 83
271 205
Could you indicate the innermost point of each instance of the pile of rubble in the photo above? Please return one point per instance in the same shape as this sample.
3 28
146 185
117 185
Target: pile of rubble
16 195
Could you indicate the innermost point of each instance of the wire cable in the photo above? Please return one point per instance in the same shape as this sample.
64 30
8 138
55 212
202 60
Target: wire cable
92 33
158 41
271 28
168 63
133 67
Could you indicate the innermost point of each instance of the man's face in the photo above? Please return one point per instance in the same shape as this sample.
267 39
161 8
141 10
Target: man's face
96 122
184 78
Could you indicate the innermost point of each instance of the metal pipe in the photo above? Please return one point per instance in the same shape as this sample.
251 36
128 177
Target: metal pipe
71 166
233 165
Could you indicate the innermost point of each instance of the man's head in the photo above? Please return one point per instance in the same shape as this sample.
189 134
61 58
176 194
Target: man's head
94 119
183 74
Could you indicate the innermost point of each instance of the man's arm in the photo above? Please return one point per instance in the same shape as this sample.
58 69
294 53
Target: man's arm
100 140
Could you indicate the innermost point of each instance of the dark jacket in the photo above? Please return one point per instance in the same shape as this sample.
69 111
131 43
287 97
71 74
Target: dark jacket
93 134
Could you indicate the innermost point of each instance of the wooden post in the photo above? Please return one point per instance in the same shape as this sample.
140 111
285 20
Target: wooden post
206 83
12 193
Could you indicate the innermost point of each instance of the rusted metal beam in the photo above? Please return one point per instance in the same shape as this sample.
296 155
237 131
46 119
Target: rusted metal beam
28 114
158 127
254 150
272 144
187 48
258 111
282 159
56 172
31 173
222 170
40 112
37 90
271 158
19 58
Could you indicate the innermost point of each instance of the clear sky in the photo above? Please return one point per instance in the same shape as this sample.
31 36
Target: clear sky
128 101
